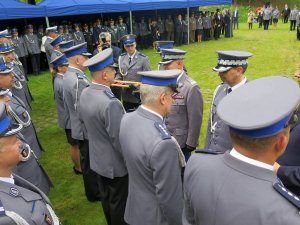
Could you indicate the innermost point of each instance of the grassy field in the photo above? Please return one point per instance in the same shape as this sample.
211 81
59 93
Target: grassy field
275 52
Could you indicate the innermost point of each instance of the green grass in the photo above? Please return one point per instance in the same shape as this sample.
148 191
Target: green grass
275 52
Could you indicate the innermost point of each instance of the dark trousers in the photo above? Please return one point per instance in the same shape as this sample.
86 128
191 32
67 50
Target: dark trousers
130 107
293 24
43 61
144 42
178 38
185 38
266 24
35 63
90 178
217 32
24 63
114 195
286 19
235 23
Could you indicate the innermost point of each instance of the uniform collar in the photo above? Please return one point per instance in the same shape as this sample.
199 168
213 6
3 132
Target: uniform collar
239 84
246 159
79 70
60 74
132 56
151 111
8 179
102 85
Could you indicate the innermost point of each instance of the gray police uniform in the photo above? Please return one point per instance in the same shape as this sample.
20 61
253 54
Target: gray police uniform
20 47
34 50
185 119
48 49
67 36
27 201
139 62
62 116
74 82
155 186
224 190
113 30
78 37
122 30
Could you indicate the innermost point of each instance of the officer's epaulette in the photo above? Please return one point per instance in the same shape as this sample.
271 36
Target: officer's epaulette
109 94
124 53
208 151
295 200
79 76
162 130
141 54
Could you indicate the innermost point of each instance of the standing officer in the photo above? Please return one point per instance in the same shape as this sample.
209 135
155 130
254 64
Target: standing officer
231 68
240 186
97 30
293 17
52 33
34 49
101 113
67 35
143 33
192 28
161 28
18 196
78 35
122 30
178 30
170 28
130 63
153 157
88 37
185 119
20 48
113 30
74 82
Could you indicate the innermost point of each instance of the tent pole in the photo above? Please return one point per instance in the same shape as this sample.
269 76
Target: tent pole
188 20
47 21
130 17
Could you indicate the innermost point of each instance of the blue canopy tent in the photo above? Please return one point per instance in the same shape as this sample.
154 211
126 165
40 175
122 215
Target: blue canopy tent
12 9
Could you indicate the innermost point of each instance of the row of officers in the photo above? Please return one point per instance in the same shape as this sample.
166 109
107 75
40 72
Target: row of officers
138 149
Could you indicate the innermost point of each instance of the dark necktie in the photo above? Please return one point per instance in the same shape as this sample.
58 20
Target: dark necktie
129 60
229 90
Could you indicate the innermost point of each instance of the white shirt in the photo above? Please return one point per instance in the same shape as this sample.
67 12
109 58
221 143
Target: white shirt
151 111
253 162
8 179
239 84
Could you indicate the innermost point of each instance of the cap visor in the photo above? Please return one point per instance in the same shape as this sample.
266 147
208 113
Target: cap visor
221 69
165 62
114 65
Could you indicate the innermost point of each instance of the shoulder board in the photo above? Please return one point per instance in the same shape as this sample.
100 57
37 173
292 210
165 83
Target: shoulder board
208 151
141 54
124 53
162 130
79 76
109 94
278 186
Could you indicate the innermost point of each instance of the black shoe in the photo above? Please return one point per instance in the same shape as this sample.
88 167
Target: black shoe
77 172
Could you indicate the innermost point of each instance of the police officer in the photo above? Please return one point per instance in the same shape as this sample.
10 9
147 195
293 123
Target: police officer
74 82
18 196
52 33
143 33
240 186
178 30
153 157
30 169
55 43
88 37
185 119
122 30
169 28
231 68
193 27
20 48
34 49
67 35
113 30
78 35
130 63
19 88
101 113
97 30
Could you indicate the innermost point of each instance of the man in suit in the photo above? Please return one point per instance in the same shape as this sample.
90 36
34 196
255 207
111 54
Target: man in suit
18 196
101 113
178 31
33 48
235 18
240 187
153 157
130 63
231 68
74 82
286 13
185 119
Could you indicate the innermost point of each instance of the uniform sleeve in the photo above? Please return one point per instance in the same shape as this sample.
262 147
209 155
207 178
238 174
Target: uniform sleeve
194 106
113 116
146 65
27 45
167 180
188 213
289 175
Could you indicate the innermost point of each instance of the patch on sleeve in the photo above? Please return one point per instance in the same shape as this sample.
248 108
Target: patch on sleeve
109 94
279 187
161 127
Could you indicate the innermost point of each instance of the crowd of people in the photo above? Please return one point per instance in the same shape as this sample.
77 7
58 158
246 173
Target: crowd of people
148 175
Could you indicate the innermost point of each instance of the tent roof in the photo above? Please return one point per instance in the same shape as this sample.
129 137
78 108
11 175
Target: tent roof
12 9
